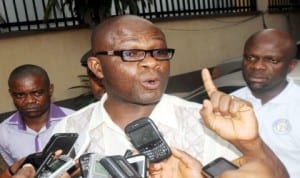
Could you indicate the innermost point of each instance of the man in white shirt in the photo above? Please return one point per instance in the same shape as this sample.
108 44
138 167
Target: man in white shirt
269 55
131 57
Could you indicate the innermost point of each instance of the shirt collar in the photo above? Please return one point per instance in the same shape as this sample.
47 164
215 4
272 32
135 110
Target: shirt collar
56 113
280 98
285 93
98 113
162 113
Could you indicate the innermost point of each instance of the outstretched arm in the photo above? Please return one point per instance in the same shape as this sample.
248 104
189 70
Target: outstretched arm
234 120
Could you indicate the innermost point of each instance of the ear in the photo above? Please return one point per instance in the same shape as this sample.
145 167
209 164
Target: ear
95 66
292 65
51 89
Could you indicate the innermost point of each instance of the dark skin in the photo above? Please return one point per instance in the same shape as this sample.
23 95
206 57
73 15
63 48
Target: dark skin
32 96
133 88
95 84
234 120
269 56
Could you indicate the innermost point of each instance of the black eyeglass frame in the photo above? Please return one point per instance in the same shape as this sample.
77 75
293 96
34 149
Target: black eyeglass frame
121 53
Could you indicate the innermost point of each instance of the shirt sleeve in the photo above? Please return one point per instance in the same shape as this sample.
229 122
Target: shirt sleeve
3 151
6 156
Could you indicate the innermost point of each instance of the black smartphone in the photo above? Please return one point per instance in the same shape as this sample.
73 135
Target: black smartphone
118 166
146 138
38 160
217 167
63 141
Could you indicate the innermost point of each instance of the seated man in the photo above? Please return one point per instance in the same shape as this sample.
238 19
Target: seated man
29 129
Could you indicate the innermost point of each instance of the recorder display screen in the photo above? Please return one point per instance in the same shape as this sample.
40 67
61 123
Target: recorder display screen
56 164
219 167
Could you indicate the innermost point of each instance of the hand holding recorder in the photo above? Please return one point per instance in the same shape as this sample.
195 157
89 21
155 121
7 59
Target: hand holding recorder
60 141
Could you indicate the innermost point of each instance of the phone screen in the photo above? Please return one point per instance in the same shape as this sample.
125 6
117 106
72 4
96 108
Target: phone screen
217 167
56 164
91 168
144 135
99 170
147 139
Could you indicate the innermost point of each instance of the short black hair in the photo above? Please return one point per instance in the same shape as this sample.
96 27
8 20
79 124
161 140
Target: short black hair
28 70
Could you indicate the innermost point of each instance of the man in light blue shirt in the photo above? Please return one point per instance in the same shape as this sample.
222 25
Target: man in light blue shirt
269 55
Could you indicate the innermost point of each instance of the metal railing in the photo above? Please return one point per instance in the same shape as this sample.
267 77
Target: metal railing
183 8
283 6
28 15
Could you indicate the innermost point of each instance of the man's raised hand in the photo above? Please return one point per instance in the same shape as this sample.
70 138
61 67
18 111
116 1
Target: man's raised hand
230 117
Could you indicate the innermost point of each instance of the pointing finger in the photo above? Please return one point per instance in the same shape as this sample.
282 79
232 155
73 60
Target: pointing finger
207 82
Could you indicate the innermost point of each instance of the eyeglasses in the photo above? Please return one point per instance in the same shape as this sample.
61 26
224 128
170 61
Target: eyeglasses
133 55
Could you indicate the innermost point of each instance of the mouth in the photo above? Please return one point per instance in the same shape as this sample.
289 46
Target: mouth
254 75
257 78
151 84
31 109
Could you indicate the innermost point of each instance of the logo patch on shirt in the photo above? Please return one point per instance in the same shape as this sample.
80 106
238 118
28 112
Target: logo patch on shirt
282 126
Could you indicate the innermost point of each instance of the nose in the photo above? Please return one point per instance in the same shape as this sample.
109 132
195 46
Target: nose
30 99
259 64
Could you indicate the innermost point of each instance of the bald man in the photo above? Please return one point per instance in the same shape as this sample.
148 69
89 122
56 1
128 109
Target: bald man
269 56
132 58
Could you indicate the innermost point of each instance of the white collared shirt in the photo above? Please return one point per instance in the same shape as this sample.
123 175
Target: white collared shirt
178 120
279 124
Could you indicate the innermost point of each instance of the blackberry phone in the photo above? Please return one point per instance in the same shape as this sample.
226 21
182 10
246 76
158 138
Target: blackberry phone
146 138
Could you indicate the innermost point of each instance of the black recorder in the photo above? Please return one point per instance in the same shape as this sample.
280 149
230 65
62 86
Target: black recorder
119 167
217 167
146 138
62 141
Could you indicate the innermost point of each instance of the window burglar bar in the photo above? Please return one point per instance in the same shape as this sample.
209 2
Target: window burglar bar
27 15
